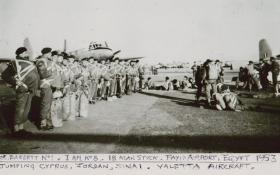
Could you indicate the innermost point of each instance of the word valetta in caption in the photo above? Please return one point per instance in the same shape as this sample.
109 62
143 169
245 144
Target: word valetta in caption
137 161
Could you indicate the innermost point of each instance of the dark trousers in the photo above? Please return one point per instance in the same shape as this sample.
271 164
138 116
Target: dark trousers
118 87
128 85
45 105
199 90
141 78
112 87
105 89
23 105
93 90
264 81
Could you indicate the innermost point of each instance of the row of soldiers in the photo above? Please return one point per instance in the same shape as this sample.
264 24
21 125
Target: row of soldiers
66 86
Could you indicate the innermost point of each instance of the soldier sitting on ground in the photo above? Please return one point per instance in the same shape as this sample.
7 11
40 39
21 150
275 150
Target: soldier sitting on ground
227 100
176 84
167 85
149 84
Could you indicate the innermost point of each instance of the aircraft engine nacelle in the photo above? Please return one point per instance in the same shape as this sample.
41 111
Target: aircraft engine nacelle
101 53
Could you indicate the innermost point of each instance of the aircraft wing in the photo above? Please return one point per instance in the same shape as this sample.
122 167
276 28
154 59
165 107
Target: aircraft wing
5 59
131 58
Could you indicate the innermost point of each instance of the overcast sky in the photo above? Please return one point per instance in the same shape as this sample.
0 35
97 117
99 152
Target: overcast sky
160 30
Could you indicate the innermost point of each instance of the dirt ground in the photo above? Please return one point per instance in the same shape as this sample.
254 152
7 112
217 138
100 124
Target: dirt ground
154 122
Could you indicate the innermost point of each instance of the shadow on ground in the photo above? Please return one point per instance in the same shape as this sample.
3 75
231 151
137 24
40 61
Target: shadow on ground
208 143
162 96
266 105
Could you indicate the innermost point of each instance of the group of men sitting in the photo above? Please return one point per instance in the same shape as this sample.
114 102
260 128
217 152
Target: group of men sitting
208 77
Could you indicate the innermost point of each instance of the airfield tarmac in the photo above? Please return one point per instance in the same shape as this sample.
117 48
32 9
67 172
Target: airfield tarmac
155 122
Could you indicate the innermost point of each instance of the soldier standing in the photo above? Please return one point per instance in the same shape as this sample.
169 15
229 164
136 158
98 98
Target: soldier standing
83 90
141 72
23 75
263 72
68 101
275 69
57 88
44 65
105 80
134 76
122 77
194 68
71 88
118 71
129 78
93 69
112 73
210 79
252 76
100 81
220 80
199 81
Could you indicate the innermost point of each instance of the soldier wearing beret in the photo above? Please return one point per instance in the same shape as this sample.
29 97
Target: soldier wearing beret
44 65
23 75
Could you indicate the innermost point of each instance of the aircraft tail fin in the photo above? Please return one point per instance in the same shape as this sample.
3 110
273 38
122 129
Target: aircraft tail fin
27 45
264 49
65 46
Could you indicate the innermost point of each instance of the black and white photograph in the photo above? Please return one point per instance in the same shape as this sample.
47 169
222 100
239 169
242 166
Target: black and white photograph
139 76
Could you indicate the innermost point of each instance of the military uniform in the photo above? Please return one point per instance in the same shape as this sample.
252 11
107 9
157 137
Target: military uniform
226 100
24 77
123 78
112 73
77 71
99 68
44 66
264 70
57 88
105 81
70 90
134 78
129 79
83 92
118 83
211 76
94 76
141 76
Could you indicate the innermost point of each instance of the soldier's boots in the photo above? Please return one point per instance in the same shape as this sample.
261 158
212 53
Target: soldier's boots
45 128
22 134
